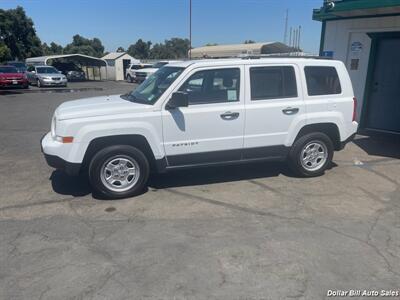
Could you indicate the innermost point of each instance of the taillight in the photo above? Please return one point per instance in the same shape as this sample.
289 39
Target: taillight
354 109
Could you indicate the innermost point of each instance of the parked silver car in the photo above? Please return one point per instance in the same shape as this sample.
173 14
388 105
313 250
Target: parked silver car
45 76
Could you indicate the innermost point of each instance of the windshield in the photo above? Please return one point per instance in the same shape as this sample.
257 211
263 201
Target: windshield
46 70
8 70
154 86
159 64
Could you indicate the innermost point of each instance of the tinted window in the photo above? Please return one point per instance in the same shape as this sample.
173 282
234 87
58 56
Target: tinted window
213 86
322 81
46 70
272 83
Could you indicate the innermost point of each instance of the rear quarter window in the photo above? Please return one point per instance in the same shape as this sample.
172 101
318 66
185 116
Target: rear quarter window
322 81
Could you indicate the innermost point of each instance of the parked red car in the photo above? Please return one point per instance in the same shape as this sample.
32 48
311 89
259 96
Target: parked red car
9 77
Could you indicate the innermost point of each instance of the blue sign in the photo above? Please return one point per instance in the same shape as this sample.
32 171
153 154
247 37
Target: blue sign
327 54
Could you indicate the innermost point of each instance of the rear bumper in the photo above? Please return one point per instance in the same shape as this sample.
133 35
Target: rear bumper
57 162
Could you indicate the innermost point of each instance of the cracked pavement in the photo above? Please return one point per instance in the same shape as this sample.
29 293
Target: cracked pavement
239 232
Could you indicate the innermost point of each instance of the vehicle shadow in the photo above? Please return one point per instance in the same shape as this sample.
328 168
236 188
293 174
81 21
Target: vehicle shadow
386 146
76 186
214 174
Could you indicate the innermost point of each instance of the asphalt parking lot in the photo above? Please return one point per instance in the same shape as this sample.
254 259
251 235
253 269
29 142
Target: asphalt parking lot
241 232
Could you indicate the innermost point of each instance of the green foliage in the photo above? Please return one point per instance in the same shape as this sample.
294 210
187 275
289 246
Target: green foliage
81 45
249 42
173 48
52 49
18 35
5 52
140 49
120 49
211 44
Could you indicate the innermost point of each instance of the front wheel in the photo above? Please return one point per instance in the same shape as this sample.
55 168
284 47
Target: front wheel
38 83
311 154
129 78
119 171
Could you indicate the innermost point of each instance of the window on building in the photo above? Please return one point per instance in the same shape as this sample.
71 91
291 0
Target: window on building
322 81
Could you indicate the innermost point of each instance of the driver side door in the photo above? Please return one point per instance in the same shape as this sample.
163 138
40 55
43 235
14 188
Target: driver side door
211 128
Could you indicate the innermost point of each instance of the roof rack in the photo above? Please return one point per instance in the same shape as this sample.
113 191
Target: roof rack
286 55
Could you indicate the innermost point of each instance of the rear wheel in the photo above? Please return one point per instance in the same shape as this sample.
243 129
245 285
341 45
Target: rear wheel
119 171
311 154
129 78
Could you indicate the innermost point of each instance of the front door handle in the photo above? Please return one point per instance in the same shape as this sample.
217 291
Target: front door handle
290 110
229 115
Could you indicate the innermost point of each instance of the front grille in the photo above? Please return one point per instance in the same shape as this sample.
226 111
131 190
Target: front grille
141 74
56 78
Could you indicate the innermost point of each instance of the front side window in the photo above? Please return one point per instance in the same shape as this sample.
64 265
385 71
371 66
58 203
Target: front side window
272 82
322 81
154 86
213 86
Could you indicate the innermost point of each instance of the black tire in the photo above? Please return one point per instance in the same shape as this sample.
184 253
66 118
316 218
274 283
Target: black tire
295 154
129 78
105 155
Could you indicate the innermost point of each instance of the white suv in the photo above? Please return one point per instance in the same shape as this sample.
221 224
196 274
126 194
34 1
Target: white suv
143 74
200 113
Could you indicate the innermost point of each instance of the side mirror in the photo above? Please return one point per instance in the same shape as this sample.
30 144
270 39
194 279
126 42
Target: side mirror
178 99
33 72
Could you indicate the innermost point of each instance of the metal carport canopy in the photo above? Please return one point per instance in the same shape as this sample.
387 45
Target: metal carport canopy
77 58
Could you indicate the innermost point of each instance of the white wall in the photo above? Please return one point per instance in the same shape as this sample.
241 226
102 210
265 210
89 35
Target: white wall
341 34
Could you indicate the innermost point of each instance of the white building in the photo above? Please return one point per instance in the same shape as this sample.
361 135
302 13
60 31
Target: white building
221 51
117 63
365 35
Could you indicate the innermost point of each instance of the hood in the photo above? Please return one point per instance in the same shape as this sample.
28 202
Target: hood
147 70
11 75
98 106
49 74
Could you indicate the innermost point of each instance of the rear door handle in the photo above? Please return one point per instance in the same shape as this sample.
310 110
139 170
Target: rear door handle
290 110
229 115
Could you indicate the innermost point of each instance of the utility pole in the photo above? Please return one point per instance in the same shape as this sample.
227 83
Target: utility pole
190 29
286 26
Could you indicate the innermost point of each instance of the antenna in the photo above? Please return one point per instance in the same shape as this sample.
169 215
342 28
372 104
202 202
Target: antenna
286 26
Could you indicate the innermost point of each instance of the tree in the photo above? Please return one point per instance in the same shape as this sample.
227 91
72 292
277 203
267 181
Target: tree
249 42
211 44
17 33
91 47
120 49
173 48
52 49
140 50
5 52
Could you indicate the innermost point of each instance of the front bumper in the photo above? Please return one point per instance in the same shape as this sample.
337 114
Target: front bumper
48 82
48 146
13 83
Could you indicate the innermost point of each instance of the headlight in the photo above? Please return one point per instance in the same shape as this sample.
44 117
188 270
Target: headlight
46 77
53 126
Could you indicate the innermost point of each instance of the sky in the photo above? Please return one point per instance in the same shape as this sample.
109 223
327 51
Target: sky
121 22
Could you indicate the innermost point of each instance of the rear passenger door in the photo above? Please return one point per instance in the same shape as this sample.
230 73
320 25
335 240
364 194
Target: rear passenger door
274 107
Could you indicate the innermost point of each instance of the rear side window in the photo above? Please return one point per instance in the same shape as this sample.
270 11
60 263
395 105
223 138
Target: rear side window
322 81
272 82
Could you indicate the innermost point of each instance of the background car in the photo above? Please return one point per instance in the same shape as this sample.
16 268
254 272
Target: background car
142 75
21 66
10 77
71 70
132 68
45 76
